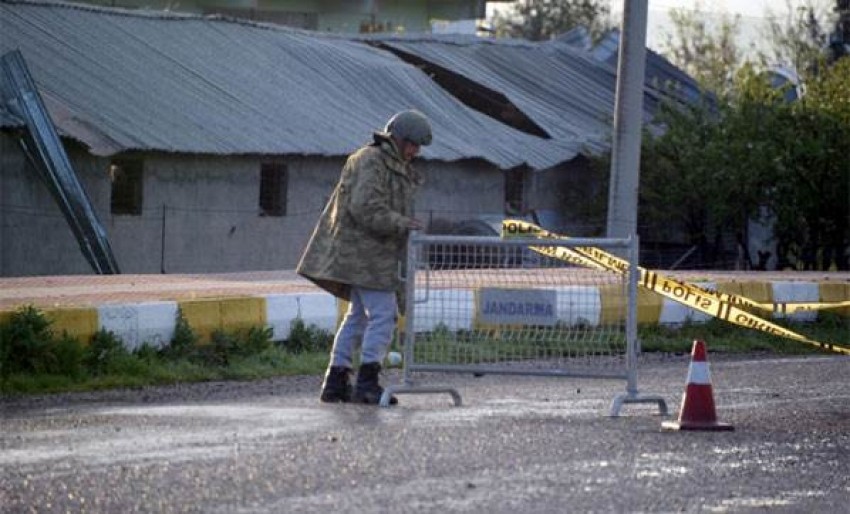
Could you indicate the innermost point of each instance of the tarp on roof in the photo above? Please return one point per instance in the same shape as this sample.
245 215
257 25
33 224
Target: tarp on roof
120 80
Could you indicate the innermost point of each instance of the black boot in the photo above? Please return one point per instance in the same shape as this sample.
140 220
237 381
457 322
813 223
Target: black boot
336 387
368 390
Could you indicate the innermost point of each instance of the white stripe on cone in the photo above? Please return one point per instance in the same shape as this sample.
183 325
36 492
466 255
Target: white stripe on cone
698 373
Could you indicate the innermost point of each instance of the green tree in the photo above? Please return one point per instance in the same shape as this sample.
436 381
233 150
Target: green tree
811 199
751 154
680 190
539 20
708 52
717 166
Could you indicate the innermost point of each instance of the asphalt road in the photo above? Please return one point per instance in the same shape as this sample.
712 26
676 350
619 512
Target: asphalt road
517 444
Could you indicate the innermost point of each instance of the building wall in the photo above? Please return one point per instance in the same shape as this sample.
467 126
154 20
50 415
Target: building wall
343 16
394 15
201 213
35 239
570 199
459 191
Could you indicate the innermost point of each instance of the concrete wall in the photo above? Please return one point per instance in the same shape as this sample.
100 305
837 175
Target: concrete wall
394 15
341 16
201 213
35 238
459 191
566 196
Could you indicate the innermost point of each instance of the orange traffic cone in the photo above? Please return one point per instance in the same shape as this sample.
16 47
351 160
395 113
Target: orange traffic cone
697 412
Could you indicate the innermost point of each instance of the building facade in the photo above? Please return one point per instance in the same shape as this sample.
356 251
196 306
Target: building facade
338 16
210 144
203 213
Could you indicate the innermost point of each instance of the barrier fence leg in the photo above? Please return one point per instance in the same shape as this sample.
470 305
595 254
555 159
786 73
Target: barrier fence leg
631 395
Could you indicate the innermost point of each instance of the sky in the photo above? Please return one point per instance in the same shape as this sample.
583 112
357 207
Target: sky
749 8
753 15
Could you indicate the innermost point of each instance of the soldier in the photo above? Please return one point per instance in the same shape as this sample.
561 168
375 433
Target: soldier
357 247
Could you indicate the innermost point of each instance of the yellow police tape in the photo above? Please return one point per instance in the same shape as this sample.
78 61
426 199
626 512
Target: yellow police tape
524 228
721 305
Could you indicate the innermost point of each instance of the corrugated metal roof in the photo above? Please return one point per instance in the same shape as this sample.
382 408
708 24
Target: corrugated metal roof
564 86
122 80
562 89
660 73
127 80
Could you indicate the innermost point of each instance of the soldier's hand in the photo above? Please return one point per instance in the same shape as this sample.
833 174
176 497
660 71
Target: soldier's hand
415 224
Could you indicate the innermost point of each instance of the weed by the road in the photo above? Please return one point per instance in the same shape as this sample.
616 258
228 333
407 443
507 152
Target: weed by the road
35 360
724 337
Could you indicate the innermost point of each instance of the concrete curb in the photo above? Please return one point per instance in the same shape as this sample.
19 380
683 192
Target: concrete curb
154 321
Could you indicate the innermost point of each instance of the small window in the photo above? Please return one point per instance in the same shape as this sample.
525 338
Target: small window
126 176
514 191
273 187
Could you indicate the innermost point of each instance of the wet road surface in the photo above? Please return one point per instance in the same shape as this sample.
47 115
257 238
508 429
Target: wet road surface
517 444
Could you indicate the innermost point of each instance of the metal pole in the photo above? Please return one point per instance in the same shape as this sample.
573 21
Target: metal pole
409 311
631 317
628 116
162 242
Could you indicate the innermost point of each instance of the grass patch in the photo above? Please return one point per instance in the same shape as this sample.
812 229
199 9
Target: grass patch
33 359
725 337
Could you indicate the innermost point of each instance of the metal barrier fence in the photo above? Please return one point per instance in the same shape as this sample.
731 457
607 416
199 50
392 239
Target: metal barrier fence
485 305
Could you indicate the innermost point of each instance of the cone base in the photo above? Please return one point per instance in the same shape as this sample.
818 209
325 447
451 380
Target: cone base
712 427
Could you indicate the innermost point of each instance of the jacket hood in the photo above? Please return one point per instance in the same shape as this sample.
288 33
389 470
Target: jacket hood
385 141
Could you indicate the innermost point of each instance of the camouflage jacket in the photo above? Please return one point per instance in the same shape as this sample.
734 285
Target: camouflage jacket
361 236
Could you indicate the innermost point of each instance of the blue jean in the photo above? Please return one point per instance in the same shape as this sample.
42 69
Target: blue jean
369 323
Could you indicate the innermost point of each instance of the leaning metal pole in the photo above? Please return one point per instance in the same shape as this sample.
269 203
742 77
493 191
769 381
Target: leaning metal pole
44 149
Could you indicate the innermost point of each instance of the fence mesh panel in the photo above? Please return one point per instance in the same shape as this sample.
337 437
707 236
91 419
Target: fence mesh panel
494 305
487 305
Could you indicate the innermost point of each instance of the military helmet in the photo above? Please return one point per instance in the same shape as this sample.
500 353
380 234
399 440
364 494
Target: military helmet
410 125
